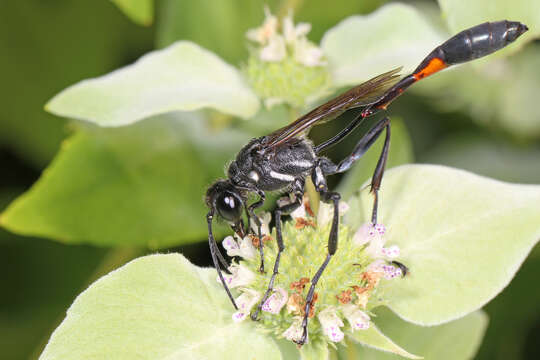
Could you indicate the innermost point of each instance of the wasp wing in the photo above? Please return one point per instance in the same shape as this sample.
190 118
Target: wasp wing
361 95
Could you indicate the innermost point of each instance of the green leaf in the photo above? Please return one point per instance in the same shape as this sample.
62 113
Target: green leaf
225 25
183 76
140 11
361 47
513 316
488 157
462 236
374 338
156 307
461 15
317 351
457 340
136 185
66 32
400 153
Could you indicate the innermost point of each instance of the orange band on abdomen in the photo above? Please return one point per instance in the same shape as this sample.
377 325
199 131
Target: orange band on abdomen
434 65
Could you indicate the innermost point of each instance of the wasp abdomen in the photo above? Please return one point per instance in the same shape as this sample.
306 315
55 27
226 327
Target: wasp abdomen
480 40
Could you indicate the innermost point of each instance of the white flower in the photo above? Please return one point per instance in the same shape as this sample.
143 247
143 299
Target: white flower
276 301
331 324
295 331
299 212
240 276
307 53
326 212
358 319
245 302
266 31
241 247
291 32
265 219
275 50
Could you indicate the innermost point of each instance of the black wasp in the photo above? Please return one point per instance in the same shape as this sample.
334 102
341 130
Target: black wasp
284 159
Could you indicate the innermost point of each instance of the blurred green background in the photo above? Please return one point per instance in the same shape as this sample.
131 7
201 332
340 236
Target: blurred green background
46 46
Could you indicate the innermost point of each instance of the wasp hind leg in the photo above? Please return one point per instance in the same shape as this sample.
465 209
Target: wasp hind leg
360 149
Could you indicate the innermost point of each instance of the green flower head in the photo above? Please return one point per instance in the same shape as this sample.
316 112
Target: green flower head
346 292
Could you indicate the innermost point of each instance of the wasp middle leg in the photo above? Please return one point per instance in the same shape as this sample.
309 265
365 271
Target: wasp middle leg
282 209
319 181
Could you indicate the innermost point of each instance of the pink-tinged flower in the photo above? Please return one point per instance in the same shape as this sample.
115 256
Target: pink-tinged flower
276 301
240 276
358 319
245 302
391 252
295 331
387 271
266 31
241 247
367 234
331 323
373 236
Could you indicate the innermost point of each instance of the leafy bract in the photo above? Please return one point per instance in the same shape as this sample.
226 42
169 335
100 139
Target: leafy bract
140 11
374 338
457 340
317 351
156 307
462 236
183 76
137 185
464 14
361 47
497 159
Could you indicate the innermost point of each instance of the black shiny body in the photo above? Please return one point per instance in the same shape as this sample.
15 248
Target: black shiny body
272 168
282 160
476 42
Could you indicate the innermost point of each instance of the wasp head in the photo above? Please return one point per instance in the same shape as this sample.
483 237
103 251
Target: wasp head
225 199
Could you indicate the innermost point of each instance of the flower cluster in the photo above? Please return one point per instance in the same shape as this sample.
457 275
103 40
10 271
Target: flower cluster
284 66
346 292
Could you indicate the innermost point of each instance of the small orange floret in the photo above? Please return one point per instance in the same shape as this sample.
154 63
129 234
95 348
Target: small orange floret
295 304
299 286
434 65
254 240
267 239
344 297
359 289
302 223
308 207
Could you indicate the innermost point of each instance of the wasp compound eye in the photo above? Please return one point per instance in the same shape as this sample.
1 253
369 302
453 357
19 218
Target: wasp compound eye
229 206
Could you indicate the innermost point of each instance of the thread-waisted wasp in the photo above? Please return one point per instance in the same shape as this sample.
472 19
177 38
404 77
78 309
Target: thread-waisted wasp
282 160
